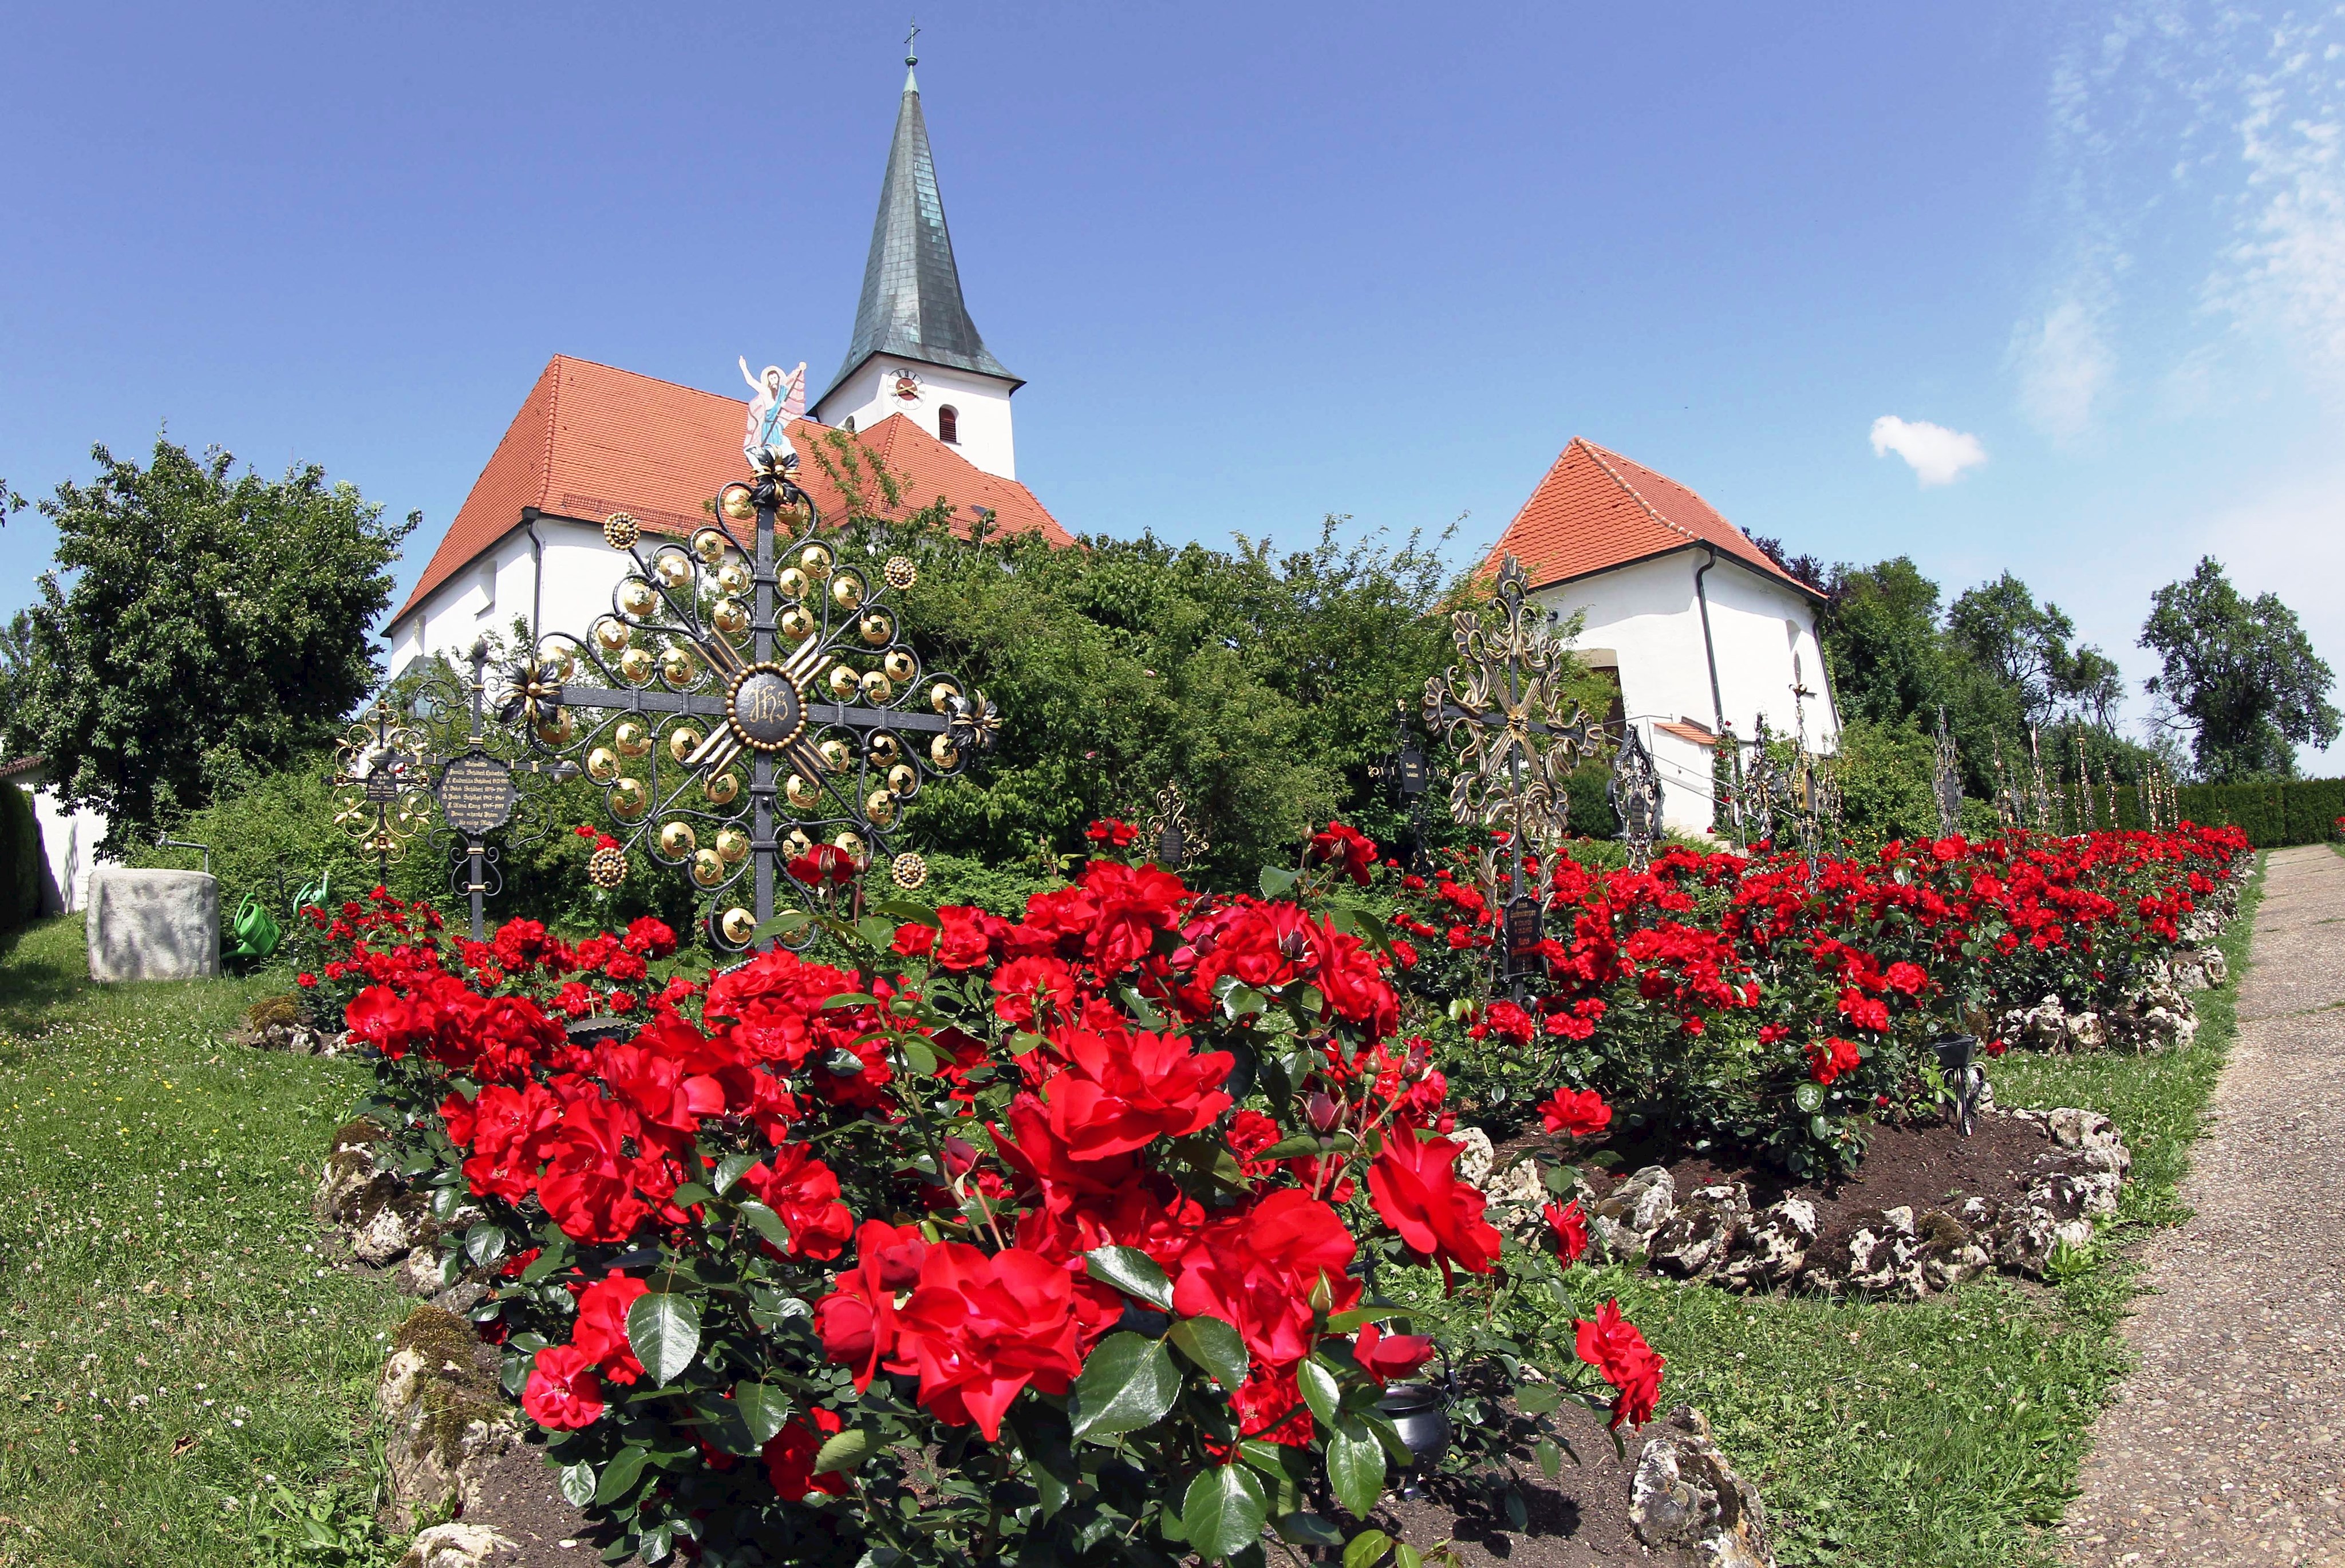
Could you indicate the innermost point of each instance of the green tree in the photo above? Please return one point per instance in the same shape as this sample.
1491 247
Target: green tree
2239 677
2027 648
192 614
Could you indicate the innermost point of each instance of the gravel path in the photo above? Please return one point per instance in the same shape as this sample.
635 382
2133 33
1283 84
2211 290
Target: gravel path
2227 1445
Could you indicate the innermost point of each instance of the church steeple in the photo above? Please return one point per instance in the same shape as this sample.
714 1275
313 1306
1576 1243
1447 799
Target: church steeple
911 306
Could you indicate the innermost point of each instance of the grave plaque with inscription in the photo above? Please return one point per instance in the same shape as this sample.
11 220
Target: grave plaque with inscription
476 793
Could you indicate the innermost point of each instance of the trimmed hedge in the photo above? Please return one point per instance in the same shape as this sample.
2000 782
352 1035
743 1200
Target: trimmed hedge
2273 815
20 860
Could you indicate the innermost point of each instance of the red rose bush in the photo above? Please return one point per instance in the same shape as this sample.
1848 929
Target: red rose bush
1049 1239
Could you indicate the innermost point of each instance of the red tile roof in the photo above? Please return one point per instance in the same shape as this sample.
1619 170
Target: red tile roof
590 441
1596 510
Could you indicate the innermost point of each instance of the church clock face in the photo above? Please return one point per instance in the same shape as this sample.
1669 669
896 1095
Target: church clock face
907 384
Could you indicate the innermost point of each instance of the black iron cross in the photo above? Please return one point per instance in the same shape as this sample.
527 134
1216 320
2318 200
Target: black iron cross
474 791
715 663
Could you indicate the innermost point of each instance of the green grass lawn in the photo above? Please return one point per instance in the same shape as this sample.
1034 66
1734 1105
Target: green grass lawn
182 1370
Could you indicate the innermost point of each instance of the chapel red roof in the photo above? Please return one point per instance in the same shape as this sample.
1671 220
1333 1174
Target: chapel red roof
1596 510
591 439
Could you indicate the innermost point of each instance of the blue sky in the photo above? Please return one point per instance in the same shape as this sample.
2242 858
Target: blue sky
1258 264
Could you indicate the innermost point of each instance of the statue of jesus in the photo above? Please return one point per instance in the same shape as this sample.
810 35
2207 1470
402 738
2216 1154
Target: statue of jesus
773 403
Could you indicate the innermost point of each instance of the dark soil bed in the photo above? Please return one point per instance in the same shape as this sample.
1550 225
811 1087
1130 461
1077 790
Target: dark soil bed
1581 1520
1923 1165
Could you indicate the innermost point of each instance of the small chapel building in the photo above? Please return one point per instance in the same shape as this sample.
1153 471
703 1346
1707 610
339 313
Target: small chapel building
919 390
1702 632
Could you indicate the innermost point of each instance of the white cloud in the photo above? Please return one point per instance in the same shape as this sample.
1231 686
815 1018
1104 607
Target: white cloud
2065 365
1936 454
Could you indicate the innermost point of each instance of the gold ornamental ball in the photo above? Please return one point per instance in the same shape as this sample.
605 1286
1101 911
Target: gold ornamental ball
941 695
879 808
621 531
676 667
733 578
631 739
944 753
803 791
677 839
607 868
707 869
709 544
797 624
737 925
901 575
842 683
731 846
636 597
722 789
815 560
736 502
884 750
850 844
797 843
612 632
847 590
727 616
836 755
557 663
898 662
674 567
601 764
792 583
629 798
902 780
558 730
878 627
635 666
910 871
877 688
682 742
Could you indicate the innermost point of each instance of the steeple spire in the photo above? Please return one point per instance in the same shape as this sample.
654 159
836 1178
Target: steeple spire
911 305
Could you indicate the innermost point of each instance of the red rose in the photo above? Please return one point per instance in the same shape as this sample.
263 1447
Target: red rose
856 1322
1257 1269
1347 849
1422 1200
562 1392
305 980
1570 1228
649 937
1385 1357
1019 983
790 1453
1112 834
600 1334
1614 1347
1582 1113
804 1192
1117 1094
978 1330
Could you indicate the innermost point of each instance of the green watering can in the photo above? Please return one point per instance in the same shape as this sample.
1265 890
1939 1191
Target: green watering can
256 931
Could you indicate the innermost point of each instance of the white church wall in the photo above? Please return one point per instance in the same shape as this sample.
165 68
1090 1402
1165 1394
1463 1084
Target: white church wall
1765 636
1647 618
981 404
580 570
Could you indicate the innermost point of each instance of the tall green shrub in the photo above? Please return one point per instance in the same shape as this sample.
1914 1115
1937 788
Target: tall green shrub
20 860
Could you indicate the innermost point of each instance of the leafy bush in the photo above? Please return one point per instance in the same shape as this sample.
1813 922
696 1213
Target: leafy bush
22 860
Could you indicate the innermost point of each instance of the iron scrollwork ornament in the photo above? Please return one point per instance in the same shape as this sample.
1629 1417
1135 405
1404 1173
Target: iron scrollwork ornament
472 767
1172 840
1636 792
1946 782
1500 710
751 709
382 795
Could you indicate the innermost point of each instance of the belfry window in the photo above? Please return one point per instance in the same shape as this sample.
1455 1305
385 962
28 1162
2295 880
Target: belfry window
948 425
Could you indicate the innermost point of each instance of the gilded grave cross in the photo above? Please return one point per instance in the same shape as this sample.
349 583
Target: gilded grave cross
751 708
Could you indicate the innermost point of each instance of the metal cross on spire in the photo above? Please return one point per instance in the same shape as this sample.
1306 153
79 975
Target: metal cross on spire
1501 708
715 663
911 58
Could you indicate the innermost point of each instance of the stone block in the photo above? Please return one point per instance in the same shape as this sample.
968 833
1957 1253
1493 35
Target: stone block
153 924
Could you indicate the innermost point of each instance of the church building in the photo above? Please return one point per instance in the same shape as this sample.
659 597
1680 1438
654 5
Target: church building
918 389
1700 629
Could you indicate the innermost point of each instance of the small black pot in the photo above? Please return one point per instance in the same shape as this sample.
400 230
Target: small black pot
1420 1413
